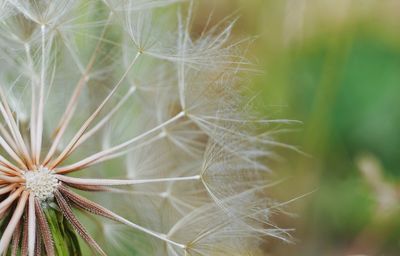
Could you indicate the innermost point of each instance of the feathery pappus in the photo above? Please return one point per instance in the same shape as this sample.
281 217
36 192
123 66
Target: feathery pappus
123 128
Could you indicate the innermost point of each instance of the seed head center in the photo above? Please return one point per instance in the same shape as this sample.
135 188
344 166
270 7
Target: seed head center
41 183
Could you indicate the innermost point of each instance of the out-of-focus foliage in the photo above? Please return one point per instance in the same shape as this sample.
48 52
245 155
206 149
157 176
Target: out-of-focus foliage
335 65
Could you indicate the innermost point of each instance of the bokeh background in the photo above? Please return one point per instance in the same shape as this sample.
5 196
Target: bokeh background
335 66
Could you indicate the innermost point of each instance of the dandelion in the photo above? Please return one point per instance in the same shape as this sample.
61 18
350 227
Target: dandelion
117 109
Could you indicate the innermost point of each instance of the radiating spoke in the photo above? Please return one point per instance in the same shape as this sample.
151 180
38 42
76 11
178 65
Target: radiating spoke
106 118
111 182
32 225
11 152
70 147
103 155
8 232
69 215
24 242
11 179
7 188
8 138
44 229
12 125
36 149
71 107
97 209
11 198
8 166
16 239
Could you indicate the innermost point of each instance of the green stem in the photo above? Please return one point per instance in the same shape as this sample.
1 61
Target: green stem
64 237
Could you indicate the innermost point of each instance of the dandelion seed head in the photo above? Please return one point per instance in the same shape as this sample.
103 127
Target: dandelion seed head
41 182
123 95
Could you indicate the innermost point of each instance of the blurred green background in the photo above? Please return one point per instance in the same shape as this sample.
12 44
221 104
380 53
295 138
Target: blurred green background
334 65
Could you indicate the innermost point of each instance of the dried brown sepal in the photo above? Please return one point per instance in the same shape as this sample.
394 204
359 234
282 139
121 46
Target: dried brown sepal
38 243
69 215
86 204
87 188
24 243
44 229
16 239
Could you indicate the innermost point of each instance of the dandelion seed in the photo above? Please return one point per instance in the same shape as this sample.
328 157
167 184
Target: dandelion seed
110 89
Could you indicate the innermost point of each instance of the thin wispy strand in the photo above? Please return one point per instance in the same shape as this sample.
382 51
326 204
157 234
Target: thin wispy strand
121 110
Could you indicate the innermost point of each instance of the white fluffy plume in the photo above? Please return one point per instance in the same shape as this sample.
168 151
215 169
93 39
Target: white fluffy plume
128 97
